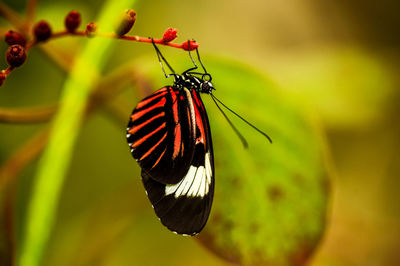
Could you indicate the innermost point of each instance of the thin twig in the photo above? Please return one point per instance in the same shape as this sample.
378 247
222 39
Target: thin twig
31 6
12 17
64 33
134 38
27 115
150 40
105 90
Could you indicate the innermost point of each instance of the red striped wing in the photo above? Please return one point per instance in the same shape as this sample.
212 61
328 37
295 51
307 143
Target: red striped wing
184 207
161 134
169 135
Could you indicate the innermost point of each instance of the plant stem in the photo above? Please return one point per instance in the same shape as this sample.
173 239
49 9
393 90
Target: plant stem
27 115
12 17
31 6
55 160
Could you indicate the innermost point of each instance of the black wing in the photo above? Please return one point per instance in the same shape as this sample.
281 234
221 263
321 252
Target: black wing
185 207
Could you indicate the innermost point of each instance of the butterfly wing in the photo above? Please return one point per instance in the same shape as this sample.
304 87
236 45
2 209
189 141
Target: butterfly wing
184 207
161 135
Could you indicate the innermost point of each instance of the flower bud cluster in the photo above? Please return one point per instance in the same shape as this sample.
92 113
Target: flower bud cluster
41 31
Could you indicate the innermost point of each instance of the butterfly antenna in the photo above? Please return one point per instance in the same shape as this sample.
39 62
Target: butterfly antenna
201 63
161 58
191 58
231 124
247 122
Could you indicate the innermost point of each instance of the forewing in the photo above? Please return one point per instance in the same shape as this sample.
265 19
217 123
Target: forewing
161 136
184 207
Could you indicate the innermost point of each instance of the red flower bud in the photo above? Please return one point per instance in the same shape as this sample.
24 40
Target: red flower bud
3 76
42 31
189 45
125 22
72 20
15 55
91 29
170 35
13 37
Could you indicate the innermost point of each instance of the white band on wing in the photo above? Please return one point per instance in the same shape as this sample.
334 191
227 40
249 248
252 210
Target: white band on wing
196 183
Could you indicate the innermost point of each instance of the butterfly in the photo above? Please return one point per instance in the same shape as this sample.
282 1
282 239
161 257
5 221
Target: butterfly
169 136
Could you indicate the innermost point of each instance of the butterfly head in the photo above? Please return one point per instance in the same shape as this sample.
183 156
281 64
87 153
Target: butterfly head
206 87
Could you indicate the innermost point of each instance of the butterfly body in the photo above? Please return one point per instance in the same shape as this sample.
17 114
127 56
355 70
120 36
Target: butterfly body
169 136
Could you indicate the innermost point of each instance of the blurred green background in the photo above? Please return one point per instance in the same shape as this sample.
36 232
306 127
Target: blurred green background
320 77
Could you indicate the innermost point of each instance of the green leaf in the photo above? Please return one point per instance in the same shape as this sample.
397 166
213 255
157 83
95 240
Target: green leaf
270 200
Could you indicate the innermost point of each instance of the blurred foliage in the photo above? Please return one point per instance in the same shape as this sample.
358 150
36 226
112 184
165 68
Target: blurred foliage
64 130
356 85
332 71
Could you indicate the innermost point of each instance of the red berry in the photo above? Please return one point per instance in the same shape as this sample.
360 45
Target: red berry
170 34
91 29
15 55
125 22
42 31
72 20
13 37
189 45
